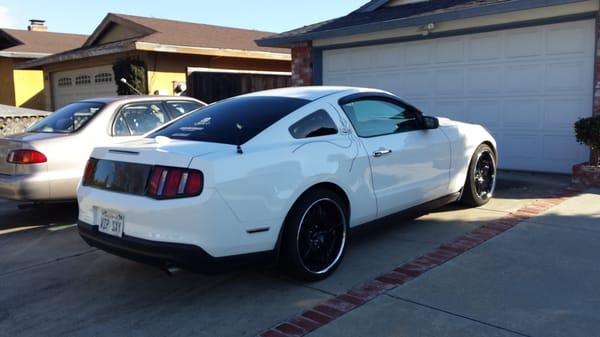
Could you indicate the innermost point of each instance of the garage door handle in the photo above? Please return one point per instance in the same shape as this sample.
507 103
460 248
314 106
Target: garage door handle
382 152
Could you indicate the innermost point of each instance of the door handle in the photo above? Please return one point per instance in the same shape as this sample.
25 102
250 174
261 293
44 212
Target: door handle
382 152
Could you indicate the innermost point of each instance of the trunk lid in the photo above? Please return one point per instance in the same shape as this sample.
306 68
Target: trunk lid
20 141
126 168
160 151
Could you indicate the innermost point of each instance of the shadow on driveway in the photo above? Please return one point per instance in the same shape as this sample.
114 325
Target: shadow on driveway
12 217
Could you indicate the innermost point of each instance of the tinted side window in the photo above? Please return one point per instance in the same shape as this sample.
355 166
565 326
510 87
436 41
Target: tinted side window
183 107
137 119
314 125
371 117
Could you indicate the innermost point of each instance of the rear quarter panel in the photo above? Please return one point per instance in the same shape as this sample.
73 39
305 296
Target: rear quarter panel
262 184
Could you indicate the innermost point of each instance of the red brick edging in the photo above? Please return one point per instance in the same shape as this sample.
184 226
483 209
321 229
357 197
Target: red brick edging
327 311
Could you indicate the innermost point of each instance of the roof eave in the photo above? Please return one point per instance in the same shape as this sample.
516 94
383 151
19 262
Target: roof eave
115 18
74 55
23 55
377 26
222 52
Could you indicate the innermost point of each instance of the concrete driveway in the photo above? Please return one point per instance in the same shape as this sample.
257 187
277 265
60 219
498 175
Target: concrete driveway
52 284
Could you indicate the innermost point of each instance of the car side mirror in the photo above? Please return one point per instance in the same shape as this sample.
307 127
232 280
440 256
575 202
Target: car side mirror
430 123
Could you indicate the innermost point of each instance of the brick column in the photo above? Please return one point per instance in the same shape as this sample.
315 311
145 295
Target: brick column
597 70
596 111
302 65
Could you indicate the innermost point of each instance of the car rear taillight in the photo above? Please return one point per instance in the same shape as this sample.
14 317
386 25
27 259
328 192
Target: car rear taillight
26 157
170 183
90 169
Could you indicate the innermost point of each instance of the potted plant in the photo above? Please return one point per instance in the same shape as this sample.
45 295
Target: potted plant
587 131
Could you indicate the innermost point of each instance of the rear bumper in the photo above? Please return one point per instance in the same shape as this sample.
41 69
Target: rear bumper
28 187
164 254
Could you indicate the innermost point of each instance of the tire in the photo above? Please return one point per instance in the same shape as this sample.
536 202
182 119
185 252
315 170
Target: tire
312 248
481 178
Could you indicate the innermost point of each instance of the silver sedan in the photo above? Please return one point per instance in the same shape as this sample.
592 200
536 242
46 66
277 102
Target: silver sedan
47 161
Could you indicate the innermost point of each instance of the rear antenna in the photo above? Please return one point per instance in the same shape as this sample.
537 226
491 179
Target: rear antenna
238 132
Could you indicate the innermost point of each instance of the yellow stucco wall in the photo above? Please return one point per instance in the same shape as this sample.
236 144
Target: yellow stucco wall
166 68
7 89
20 87
29 88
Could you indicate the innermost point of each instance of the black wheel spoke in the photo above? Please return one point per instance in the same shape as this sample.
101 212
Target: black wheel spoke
484 175
321 236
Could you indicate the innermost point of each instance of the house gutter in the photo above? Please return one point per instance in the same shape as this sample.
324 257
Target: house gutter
162 48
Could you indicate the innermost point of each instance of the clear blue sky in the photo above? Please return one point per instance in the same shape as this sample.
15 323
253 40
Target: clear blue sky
82 16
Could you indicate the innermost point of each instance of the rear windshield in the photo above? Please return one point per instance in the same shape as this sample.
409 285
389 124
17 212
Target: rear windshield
233 121
68 119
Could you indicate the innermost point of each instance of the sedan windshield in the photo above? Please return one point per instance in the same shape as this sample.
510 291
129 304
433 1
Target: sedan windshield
68 119
233 121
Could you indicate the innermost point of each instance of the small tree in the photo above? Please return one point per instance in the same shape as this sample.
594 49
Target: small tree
133 70
587 131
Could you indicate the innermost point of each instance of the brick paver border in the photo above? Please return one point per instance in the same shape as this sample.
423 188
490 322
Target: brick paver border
327 311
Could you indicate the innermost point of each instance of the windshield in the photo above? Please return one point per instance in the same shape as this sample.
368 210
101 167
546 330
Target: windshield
68 119
233 121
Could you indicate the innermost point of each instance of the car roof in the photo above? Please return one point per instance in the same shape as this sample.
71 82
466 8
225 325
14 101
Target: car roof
136 98
311 93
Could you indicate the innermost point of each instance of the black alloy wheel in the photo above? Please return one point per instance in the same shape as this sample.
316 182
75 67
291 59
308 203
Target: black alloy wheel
315 235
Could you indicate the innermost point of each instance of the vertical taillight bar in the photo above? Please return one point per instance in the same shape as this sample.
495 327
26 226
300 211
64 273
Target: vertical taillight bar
171 183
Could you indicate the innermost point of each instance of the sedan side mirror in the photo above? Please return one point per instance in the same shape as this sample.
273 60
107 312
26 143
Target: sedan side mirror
430 123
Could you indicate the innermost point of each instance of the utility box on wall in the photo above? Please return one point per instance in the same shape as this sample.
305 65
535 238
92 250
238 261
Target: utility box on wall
212 85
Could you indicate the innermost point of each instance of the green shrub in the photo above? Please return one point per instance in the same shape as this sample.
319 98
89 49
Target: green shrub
587 131
134 71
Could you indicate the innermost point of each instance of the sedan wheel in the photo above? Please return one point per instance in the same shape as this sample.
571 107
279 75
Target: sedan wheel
481 179
315 235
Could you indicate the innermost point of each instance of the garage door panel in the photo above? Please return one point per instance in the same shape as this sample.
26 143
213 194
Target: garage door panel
485 112
416 83
418 53
525 43
485 47
82 84
558 147
519 146
450 82
566 76
451 109
569 39
485 80
450 51
389 56
522 114
560 113
361 59
527 86
524 78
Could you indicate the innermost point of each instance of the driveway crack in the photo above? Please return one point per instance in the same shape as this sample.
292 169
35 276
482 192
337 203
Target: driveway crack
41 264
458 315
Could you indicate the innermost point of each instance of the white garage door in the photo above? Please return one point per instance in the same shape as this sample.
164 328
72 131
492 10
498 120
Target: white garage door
527 86
74 85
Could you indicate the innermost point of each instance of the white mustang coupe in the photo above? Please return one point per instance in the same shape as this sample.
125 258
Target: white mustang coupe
279 175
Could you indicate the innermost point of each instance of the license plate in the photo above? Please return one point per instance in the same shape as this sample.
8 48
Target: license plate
111 222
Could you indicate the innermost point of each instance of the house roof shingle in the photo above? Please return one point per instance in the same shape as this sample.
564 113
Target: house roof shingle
41 42
179 33
381 16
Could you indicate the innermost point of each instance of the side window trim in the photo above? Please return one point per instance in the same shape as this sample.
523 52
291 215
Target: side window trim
383 98
327 113
124 106
173 114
